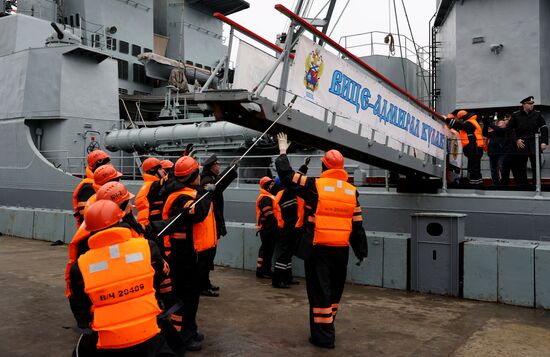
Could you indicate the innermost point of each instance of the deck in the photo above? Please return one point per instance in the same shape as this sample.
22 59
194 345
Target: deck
252 319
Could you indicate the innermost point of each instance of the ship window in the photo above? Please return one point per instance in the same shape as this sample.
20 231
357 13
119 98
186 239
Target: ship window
123 46
139 74
122 69
111 43
71 21
77 20
136 50
95 40
65 20
122 91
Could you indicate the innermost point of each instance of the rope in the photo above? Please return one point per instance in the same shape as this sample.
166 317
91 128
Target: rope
391 44
78 344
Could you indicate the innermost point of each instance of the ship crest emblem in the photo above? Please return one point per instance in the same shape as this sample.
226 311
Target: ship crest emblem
314 69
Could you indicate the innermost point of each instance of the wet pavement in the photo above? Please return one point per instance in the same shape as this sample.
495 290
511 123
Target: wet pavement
252 319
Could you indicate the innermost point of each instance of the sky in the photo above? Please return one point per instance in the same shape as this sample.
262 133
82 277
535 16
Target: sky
359 16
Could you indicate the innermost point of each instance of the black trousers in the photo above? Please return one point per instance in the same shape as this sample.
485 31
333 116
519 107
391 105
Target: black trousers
156 346
206 264
184 272
265 254
284 249
474 154
520 166
326 270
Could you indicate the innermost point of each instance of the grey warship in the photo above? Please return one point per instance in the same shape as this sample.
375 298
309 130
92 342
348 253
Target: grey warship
81 78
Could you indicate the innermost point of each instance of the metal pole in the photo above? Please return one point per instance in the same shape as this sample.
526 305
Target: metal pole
161 233
386 178
286 65
444 179
537 164
226 65
213 74
260 87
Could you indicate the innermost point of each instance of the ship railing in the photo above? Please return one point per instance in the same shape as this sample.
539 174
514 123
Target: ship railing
372 43
94 35
254 167
457 171
62 160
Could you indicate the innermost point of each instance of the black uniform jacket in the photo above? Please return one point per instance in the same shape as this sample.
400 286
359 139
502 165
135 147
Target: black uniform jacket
207 177
358 237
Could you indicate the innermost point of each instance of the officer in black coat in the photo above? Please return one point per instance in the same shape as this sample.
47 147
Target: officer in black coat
210 174
498 133
524 125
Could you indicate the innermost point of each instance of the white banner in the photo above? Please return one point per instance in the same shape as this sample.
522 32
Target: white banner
360 98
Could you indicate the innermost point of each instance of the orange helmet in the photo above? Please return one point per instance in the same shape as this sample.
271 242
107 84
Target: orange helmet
150 164
114 191
105 174
166 164
333 159
265 180
95 157
461 113
102 214
450 116
185 165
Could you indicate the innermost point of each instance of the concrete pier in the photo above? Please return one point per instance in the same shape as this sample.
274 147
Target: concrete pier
252 319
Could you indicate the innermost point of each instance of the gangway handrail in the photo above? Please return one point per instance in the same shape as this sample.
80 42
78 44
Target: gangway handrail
306 25
249 33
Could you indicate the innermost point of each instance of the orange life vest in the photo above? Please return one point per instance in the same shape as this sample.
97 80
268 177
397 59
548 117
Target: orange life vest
335 207
142 204
300 203
301 212
480 140
276 209
79 206
81 234
118 278
90 201
204 233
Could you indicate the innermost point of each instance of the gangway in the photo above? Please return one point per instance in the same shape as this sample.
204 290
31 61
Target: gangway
369 118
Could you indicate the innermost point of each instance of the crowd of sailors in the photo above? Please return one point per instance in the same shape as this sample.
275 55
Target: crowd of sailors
510 140
134 282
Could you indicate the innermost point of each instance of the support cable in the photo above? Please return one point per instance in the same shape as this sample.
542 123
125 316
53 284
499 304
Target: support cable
338 19
415 48
400 48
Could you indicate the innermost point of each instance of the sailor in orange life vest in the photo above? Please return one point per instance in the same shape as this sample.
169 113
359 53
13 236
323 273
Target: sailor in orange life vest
113 191
333 221
292 213
472 142
168 167
147 203
210 174
269 223
113 289
194 232
84 190
102 175
150 200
